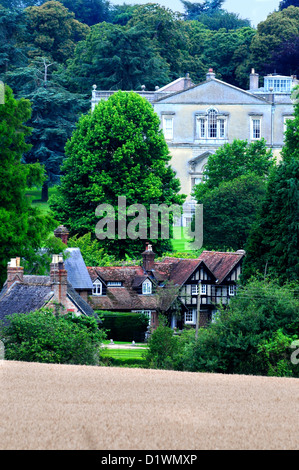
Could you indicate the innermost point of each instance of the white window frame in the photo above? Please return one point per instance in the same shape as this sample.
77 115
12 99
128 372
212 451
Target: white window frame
211 126
231 290
97 287
253 129
190 316
147 287
114 284
168 127
194 289
279 85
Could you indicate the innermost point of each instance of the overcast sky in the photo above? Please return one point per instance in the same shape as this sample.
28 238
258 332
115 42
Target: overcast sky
254 10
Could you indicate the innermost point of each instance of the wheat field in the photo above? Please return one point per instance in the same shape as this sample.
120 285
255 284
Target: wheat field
68 407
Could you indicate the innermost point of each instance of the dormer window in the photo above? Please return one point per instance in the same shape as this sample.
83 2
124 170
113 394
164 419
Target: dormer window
114 284
146 287
97 287
278 84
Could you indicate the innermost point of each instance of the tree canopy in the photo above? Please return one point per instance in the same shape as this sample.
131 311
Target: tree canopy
22 227
232 190
118 150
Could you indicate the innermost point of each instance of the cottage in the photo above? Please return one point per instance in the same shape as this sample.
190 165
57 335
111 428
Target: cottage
26 293
184 289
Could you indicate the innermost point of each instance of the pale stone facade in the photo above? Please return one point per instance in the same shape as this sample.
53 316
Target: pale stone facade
198 119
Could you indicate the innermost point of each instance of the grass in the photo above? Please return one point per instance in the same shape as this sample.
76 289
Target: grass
180 241
34 195
124 357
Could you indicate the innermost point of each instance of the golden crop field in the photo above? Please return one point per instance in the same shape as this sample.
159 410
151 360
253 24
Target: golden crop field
70 407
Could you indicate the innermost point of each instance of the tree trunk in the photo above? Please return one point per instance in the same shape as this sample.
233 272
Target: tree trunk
45 192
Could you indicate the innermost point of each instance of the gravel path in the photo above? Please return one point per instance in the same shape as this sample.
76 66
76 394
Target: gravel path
51 407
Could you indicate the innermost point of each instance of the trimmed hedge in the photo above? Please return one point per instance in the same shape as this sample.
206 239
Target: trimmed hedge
124 326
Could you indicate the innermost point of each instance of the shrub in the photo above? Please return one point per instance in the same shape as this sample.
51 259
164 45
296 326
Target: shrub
237 343
43 337
165 350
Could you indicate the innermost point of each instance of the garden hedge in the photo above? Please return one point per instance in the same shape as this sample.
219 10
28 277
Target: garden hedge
124 326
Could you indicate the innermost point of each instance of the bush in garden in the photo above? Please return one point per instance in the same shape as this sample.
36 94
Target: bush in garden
42 336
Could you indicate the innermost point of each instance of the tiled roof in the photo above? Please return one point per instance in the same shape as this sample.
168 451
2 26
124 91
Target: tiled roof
79 301
77 273
24 298
34 293
221 263
175 270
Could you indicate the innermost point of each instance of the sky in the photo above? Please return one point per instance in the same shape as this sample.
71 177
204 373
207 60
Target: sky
254 10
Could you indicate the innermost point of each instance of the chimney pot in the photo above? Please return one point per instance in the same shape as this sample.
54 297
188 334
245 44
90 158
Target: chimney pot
253 80
148 258
211 74
15 272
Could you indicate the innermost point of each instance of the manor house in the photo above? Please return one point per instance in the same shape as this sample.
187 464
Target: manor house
198 119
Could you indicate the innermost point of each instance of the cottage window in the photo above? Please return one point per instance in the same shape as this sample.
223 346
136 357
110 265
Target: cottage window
203 289
146 287
97 288
114 284
190 316
194 289
231 289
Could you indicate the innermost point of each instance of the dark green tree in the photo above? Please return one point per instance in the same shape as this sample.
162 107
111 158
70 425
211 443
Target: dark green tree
116 57
273 244
118 150
229 211
234 160
287 3
236 342
231 193
12 28
55 112
280 27
52 31
89 12
22 227
194 10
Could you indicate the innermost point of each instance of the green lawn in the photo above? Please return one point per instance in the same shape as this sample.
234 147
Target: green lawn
124 357
180 240
34 195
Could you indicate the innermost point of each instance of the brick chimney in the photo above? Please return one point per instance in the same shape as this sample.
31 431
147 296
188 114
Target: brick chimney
148 258
253 80
58 279
62 232
15 272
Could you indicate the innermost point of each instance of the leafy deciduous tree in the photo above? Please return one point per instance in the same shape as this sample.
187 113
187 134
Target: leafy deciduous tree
118 150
